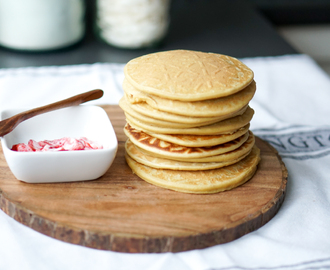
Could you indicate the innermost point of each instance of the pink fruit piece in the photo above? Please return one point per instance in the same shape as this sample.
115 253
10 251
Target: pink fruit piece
35 146
63 144
22 147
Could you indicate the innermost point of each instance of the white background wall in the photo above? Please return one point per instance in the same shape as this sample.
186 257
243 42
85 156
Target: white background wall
313 40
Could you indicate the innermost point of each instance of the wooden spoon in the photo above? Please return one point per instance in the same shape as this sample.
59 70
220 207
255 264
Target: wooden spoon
9 124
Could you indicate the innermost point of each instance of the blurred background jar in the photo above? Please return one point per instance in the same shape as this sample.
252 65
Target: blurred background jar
41 25
132 24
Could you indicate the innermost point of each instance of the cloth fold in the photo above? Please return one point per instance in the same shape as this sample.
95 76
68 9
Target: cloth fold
291 113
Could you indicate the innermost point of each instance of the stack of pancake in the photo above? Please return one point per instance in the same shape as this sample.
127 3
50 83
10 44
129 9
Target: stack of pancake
188 118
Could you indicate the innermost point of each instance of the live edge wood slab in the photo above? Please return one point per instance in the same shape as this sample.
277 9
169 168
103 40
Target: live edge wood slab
121 212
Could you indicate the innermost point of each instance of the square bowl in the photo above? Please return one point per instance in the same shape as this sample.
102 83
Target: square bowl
87 121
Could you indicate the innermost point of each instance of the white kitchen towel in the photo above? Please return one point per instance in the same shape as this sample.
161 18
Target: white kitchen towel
291 112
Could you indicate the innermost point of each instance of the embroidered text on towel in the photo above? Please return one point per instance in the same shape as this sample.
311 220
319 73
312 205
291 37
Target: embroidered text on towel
298 142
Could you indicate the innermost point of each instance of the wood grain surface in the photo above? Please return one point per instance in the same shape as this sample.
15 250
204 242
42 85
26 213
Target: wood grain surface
121 212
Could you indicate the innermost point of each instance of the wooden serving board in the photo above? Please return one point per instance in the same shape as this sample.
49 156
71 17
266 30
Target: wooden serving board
121 212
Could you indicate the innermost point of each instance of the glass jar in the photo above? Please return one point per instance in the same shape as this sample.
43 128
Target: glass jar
41 25
132 24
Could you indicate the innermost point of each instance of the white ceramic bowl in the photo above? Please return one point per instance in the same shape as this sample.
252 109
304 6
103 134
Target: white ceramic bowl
87 121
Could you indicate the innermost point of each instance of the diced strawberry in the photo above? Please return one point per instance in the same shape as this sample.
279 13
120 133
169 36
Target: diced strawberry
35 146
15 147
42 144
63 144
55 143
90 144
22 147
68 144
46 148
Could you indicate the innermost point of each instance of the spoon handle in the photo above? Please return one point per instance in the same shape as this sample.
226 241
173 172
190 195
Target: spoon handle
9 124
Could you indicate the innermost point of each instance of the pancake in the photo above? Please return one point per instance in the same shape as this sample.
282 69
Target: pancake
188 75
202 182
147 110
227 126
236 154
243 150
147 159
145 113
188 120
160 123
160 148
220 107
201 140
